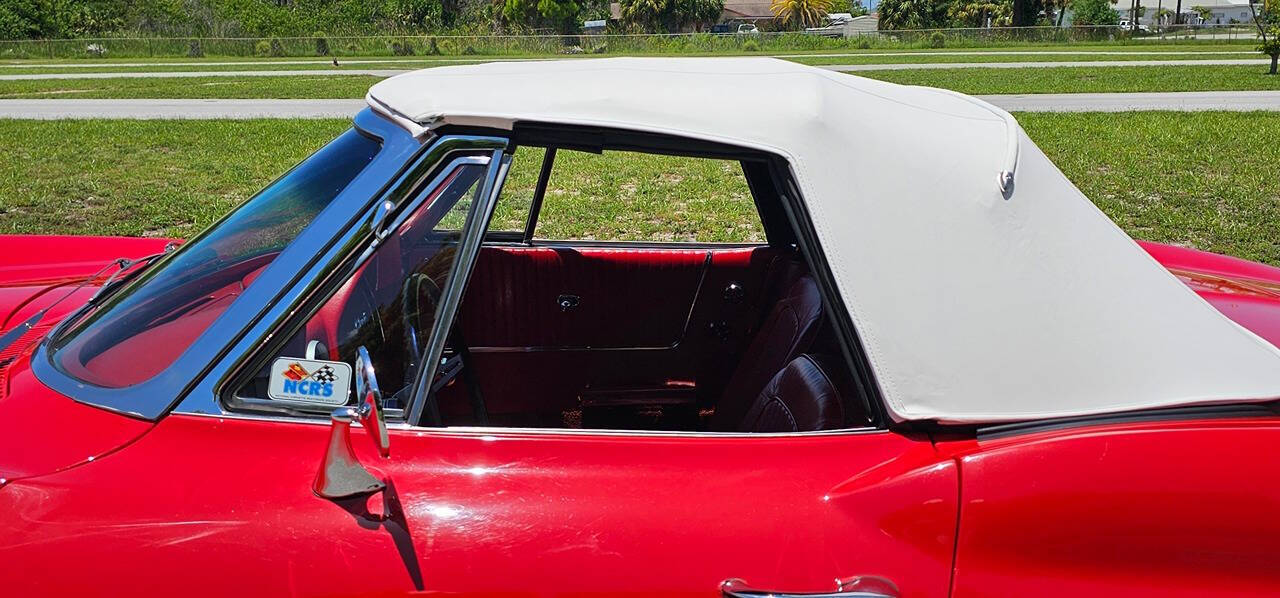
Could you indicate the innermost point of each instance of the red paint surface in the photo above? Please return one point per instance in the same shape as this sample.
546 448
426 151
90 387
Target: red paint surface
1179 508
217 507
42 431
52 257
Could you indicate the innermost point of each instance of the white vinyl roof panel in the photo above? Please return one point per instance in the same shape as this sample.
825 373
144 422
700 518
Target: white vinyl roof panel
984 285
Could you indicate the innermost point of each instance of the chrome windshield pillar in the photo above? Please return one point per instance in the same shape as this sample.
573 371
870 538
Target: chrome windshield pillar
463 264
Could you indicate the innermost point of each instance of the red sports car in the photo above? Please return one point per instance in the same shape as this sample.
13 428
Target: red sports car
940 372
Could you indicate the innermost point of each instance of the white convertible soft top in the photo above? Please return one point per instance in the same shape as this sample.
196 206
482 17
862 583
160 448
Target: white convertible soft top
985 287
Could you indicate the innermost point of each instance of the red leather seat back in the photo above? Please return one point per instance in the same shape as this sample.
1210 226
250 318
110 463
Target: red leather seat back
803 397
788 331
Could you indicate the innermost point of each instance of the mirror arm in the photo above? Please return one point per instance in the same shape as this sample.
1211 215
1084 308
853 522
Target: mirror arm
341 475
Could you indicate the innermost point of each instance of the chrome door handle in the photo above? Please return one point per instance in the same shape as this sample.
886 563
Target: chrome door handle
862 586
568 302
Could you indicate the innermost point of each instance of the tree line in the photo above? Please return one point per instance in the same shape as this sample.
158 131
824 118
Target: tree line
53 19
946 14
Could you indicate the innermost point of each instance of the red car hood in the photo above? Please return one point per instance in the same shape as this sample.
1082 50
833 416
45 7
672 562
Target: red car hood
1247 292
42 431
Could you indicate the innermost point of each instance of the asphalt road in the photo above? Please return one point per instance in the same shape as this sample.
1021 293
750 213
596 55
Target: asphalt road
831 67
88 64
243 109
1040 64
187 74
1188 101
175 109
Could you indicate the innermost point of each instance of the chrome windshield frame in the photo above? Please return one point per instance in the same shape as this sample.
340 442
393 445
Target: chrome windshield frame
345 251
276 286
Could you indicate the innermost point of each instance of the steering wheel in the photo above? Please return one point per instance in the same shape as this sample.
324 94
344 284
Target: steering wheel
417 286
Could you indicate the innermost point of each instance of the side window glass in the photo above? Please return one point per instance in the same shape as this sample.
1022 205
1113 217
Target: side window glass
388 307
632 196
511 214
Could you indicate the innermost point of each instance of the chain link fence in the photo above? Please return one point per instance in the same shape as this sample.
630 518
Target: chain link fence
606 44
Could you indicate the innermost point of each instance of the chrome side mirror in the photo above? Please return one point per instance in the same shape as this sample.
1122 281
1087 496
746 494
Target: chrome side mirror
369 399
341 475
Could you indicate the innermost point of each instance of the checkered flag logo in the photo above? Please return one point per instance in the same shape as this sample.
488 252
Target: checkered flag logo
324 374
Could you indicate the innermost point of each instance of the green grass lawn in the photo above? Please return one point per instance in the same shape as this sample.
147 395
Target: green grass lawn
304 64
970 80
886 55
321 86
1206 180
987 56
1085 79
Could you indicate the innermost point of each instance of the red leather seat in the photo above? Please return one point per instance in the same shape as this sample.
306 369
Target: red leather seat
787 332
803 397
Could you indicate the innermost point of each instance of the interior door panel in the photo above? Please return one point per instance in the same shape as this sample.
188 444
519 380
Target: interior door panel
624 297
637 318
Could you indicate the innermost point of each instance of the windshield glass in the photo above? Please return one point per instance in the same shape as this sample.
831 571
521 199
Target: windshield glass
146 325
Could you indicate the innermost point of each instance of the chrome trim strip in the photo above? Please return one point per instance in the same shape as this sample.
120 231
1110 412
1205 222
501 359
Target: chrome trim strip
566 349
497 432
464 261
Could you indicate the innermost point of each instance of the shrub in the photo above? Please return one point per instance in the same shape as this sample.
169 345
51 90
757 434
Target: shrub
1271 47
469 51
1095 12
433 49
751 45
322 44
277 47
402 48
195 49
864 44
937 40
447 47
262 48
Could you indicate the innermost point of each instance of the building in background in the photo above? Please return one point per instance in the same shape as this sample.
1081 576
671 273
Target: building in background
1221 12
747 11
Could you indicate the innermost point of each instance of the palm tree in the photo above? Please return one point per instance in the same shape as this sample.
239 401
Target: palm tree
801 13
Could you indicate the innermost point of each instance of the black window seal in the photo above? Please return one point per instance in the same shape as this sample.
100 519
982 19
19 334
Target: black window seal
1193 412
788 197
852 349
539 191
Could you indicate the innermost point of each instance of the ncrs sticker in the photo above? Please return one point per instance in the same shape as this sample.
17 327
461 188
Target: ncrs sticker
309 381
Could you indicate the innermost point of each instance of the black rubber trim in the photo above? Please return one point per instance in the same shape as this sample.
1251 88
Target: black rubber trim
539 191
773 215
866 390
1149 415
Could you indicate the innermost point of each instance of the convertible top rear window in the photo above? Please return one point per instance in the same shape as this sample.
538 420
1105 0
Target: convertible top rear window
143 328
